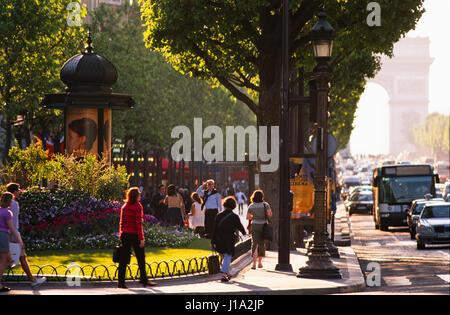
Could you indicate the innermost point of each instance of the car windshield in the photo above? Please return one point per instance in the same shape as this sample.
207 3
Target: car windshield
441 211
404 189
418 208
361 197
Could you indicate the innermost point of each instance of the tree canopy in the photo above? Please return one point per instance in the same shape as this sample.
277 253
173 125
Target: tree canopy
35 39
434 133
164 97
238 44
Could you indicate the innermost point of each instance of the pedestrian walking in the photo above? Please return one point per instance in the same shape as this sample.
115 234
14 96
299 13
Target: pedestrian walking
14 189
131 234
224 238
259 212
211 203
241 199
6 229
175 206
197 215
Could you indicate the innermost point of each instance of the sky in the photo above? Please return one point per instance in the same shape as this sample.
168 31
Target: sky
373 105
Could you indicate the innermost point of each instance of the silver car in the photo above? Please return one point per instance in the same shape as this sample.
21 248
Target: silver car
414 213
433 226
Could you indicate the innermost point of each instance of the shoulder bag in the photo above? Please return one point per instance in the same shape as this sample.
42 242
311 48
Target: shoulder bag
267 228
118 252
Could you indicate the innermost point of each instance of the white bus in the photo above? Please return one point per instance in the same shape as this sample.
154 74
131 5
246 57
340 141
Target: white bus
394 189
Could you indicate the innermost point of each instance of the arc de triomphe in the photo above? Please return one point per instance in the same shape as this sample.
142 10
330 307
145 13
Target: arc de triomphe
405 79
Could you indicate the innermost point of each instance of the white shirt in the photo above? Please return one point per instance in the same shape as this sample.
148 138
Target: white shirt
198 219
240 196
213 202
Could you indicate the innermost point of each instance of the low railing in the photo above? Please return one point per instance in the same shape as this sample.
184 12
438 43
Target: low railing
163 269
155 270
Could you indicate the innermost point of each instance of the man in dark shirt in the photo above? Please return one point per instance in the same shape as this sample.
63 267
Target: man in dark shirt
158 206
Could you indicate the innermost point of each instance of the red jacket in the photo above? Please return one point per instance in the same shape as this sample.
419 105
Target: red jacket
131 220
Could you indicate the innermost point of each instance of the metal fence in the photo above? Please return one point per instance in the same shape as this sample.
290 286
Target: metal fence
163 269
155 270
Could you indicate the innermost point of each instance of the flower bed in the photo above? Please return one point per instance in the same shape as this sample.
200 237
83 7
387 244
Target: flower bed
74 220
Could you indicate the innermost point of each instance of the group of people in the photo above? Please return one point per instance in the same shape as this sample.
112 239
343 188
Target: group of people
212 217
9 233
178 208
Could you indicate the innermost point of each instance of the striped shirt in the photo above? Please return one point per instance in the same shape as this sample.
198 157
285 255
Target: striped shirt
131 220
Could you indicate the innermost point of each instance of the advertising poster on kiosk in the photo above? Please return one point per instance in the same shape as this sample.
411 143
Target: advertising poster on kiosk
81 131
301 184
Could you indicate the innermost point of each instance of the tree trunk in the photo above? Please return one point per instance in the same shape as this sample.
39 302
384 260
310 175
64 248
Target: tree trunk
269 102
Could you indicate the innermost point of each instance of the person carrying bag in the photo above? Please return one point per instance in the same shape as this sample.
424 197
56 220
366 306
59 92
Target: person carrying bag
224 235
131 234
267 228
259 213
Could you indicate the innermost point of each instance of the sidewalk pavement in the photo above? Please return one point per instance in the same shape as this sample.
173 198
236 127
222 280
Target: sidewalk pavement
244 281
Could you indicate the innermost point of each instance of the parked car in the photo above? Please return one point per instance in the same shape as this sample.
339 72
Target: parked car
361 201
433 226
414 212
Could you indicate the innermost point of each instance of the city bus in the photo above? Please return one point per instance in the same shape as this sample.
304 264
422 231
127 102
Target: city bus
394 189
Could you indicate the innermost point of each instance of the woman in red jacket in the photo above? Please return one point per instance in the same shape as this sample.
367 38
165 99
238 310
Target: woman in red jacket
131 234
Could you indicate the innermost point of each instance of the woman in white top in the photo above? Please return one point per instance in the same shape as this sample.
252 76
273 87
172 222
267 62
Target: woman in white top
197 215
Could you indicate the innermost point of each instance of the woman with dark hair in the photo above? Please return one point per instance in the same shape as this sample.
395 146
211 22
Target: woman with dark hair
131 234
223 237
175 206
258 212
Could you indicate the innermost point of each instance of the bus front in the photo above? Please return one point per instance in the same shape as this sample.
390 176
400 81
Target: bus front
395 187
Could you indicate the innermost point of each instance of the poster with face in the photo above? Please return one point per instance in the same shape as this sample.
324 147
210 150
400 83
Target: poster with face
81 131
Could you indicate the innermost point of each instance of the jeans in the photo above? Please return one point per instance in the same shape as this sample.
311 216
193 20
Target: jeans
226 263
128 241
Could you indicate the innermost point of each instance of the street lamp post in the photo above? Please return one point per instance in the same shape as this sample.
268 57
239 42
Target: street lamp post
319 264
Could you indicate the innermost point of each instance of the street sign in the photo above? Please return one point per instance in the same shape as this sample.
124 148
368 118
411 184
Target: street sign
332 145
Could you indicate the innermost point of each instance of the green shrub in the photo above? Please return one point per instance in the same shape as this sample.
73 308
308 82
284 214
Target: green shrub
112 184
28 167
90 174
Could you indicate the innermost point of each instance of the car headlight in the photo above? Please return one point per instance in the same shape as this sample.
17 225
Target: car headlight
425 228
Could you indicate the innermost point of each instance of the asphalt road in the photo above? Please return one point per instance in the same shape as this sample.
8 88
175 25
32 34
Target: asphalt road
393 265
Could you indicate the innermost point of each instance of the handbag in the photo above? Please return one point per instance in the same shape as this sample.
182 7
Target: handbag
213 264
118 253
267 228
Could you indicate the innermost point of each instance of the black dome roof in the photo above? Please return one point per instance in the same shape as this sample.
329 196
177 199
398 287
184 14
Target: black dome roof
88 72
